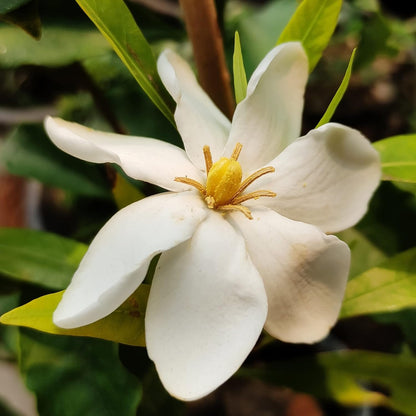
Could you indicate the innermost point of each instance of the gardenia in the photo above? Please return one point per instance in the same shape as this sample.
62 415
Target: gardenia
242 230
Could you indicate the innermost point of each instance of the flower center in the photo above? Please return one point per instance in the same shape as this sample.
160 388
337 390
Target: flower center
224 188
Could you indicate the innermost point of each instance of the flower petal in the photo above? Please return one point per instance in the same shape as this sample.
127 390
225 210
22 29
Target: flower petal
206 309
198 120
269 118
304 272
325 178
141 158
117 259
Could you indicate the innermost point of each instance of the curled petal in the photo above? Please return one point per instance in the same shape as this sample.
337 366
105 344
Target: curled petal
118 257
269 118
304 272
206 309
198 120
325 178
149 160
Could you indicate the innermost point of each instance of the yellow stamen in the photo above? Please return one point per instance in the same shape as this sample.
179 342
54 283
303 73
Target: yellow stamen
208 158
223 190
240 208
254 176
192 182
236 151
252 195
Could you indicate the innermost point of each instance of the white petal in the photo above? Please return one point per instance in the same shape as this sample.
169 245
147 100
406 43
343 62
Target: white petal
117 259
325 178
206 309
270 116
198 120
304 272
141 158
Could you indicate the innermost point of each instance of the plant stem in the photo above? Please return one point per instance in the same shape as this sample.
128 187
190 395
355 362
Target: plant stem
204 33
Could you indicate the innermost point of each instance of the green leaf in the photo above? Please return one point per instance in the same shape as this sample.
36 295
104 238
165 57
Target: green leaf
29 152
341 375
313 24
116 23
398 158
339 94
390 286
75 376
364 254
125 325
240 79
38 257
61 44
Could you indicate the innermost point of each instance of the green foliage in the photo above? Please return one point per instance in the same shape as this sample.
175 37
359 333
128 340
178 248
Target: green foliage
259 29
38 257
347 377
29 152
131 46
240 79
61 44
374 39
398 158
339 94
313 24
125 325
390 286
364 253
76 376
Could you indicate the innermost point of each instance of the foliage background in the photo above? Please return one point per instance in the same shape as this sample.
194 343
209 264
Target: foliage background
73 72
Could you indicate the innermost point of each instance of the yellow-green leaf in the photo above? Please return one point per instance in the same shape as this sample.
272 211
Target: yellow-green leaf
338 95
240 79
125 325
391 286
398 158
116 23
313 24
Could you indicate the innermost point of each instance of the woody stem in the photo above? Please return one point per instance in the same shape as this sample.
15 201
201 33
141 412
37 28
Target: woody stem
204 33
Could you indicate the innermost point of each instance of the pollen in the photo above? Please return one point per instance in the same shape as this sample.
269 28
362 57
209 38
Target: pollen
224 189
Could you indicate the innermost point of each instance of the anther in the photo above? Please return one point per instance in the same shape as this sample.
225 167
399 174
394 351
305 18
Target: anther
192 182
236 151
208 158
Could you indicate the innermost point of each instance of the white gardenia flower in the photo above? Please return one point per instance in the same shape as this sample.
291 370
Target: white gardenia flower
242 230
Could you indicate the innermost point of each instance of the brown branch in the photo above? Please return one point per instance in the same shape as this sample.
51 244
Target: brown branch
12 201
161 6
204 33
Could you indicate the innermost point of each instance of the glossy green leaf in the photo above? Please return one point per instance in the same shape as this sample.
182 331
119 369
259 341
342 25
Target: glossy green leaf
29 152
313 24
60 45
77 376
364 254
346 376
391 286
116 23
326 118
125 325
239 73
38 257
398 158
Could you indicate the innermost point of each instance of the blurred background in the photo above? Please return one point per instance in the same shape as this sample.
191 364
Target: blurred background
54 61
